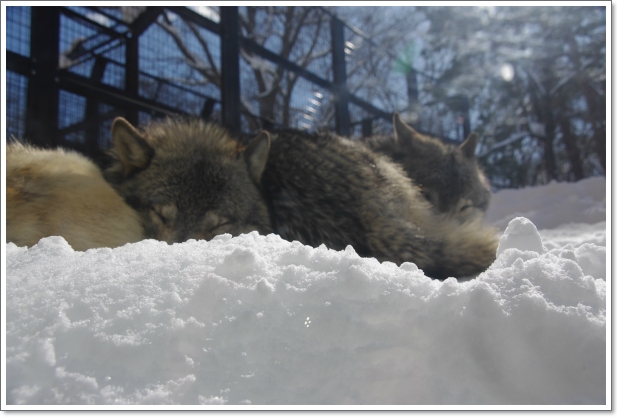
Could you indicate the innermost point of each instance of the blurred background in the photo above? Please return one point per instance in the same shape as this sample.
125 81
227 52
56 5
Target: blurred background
530 80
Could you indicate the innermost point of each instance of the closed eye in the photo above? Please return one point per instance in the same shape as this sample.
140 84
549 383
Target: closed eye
227 223
464 207
165 212
159 215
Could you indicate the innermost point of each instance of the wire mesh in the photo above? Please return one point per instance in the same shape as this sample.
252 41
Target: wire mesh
180 68
370 74
104 137
114 75
74 41
282 98
71 110
16 94
18 29
197 65
299 34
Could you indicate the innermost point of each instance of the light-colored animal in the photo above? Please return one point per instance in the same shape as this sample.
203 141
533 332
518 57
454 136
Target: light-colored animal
189 179
62 193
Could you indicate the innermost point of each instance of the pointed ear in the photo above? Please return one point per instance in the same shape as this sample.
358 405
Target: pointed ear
132 149
403 132
415 143
256 155
468 147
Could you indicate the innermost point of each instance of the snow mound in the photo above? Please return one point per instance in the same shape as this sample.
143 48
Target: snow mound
259 320
521 234
551 205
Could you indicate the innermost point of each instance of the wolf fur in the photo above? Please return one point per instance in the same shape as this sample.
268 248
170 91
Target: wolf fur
62 193
189 179
448 176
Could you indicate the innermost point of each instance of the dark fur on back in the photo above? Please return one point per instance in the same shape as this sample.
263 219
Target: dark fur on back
449 176
191 179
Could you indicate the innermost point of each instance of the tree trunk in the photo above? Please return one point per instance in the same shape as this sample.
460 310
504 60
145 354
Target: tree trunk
547 118
570 142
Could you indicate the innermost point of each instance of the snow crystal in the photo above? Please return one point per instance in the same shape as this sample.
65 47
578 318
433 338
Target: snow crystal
254 320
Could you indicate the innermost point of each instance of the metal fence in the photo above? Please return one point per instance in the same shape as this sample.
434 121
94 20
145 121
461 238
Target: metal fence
72 70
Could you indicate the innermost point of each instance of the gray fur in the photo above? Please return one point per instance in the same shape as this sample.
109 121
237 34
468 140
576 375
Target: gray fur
188 180
449 176
319 189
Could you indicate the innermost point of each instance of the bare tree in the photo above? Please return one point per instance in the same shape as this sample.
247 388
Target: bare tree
551 104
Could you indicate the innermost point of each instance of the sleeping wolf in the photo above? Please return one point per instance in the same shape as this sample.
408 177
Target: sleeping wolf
61 193
189 179
448 176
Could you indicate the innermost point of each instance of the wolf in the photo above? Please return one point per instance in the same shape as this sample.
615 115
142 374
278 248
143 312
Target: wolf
56 192
193 180
449 176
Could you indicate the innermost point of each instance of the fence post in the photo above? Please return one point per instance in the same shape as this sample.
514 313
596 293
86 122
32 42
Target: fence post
132 75
230 68
367 127
137 27
42 105
342 112
92 108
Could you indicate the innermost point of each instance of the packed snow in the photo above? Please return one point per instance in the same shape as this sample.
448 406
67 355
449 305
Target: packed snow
256 320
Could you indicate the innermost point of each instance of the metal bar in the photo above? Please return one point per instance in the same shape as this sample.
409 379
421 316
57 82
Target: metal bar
132 74
206 112
369 40
342 112
92 107
21 64
42 101
97 9
144 20
197 18
94 25
370 108
251 46
111 95
367 128
230 68
18 63
89 123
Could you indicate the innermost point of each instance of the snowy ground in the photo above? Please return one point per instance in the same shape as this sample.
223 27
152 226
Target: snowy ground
256 320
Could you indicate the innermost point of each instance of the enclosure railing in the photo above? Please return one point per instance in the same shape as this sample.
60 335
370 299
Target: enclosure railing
69 96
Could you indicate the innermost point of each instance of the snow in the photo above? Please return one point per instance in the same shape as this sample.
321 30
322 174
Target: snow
255 320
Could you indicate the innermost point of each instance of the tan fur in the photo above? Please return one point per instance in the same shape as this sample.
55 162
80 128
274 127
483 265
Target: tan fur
62 193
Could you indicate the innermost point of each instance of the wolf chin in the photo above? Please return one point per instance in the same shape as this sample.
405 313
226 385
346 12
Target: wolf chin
192 180
449 176
62 193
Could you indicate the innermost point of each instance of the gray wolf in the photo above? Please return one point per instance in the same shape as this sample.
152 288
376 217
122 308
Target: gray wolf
448 176
189 179
62 193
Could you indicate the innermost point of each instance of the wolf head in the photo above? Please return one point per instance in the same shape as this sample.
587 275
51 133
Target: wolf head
189 179
449 176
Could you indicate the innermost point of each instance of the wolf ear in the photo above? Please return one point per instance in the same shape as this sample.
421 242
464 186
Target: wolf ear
468 147
256 155
404 133
132 149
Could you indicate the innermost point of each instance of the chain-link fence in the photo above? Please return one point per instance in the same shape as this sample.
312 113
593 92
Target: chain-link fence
72 70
